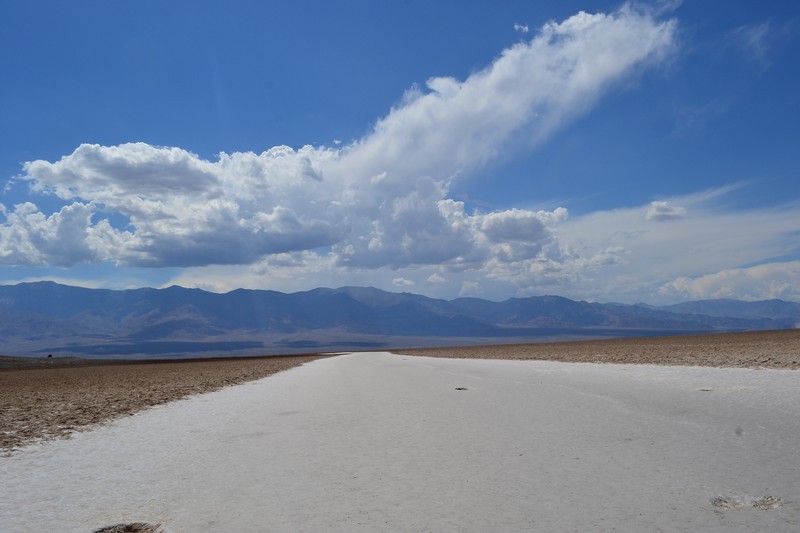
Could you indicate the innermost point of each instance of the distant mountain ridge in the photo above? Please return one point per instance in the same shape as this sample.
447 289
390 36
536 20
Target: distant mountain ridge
738 309
46 317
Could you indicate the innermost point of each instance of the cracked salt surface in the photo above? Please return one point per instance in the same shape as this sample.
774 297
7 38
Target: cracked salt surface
373 441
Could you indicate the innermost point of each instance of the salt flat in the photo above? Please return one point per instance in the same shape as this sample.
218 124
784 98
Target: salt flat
375 441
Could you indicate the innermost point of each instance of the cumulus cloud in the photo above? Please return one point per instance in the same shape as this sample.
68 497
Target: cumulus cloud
184 210
522 28
402 282
451 127
381 201
762 282
28 237
605 255
661 210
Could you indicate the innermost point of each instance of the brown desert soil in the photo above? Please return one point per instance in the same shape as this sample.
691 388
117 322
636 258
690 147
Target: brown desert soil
44 398
756 349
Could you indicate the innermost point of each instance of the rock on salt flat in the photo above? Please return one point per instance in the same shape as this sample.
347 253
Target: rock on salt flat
374 441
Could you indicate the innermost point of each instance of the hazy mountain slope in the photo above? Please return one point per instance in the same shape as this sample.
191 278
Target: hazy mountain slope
46 316
774 309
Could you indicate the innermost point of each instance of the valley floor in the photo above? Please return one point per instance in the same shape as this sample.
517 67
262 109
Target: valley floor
751 349
43 398
376 441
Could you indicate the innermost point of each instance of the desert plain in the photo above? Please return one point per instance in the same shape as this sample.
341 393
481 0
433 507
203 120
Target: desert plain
749 349
43 398
691 433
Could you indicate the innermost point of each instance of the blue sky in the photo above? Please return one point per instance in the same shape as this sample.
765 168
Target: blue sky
596 150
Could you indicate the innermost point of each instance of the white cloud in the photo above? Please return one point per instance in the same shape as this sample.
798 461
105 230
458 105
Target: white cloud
454 126
762 282
64 238
623 255
614 255
470 288
402 282
184 210
436 278
380 202
661 210
522 28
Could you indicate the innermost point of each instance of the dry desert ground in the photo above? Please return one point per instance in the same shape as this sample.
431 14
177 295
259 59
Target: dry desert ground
43 398
692 433
752 349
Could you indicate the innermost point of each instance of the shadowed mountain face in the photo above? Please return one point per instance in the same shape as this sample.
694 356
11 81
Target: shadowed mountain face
48 317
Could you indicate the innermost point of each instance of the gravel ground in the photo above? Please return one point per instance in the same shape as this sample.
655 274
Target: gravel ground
41 403
758 349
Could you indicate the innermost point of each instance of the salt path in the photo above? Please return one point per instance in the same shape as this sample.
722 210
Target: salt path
382 442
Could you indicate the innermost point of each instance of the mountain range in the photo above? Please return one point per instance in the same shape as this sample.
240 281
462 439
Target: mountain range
49 318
